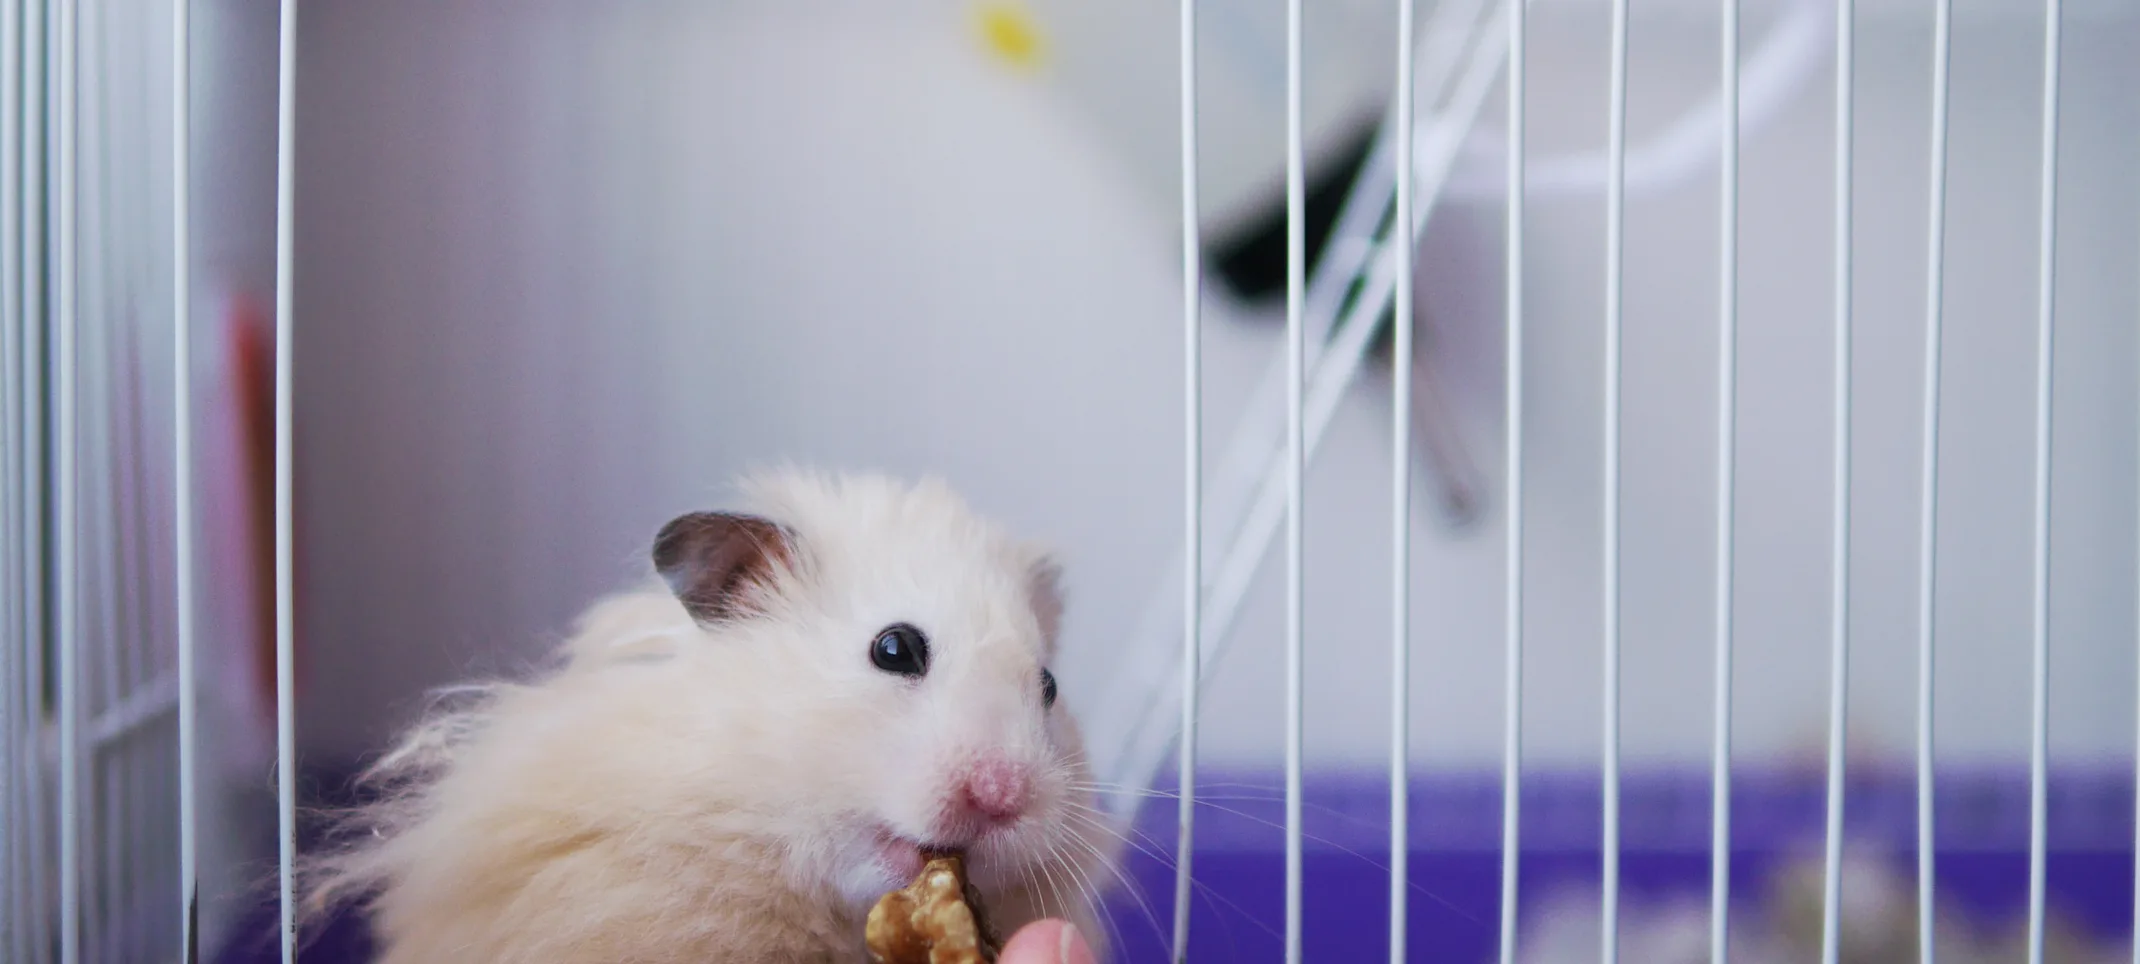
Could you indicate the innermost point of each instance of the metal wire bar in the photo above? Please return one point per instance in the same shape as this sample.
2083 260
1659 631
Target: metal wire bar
182 470
1839 616
1512 619
1296 459
2046 317
1401 322
1615 278
1928 474
1727 405
285 588
1192 281
65 554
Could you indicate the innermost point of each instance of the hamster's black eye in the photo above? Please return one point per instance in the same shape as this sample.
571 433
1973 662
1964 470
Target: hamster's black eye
1047 688
901 649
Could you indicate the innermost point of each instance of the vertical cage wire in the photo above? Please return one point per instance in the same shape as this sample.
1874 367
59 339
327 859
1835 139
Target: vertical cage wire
1727 401
73 363
182 473
1192 483
1839 593
1512 389
65 560
285 589
1296 458
1928 473
2046 317
1615 276
1401 323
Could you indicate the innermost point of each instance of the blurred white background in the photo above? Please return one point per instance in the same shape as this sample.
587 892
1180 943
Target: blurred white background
565 268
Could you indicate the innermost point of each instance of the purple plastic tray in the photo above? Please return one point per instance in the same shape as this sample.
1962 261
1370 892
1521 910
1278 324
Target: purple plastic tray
1982 819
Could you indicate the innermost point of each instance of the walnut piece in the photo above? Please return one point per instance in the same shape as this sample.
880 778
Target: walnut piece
934 920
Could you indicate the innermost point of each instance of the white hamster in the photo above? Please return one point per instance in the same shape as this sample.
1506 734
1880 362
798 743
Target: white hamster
735 767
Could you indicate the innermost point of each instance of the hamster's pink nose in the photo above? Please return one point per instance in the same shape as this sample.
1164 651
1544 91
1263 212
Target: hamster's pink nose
996 788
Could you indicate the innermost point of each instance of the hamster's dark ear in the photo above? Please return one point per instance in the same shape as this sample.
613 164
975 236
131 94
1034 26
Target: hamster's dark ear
710 559
1044 580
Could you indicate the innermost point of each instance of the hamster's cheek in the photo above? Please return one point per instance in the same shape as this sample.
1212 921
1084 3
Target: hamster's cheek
869 868
864 882
895 773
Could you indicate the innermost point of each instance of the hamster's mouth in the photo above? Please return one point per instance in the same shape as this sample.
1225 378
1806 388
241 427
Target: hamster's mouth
903 856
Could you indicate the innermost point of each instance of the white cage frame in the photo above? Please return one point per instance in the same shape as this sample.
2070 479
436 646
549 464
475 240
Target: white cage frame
1319 363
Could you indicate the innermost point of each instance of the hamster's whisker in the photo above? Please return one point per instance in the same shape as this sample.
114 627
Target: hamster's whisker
1213 801
1212 898
1128 885
1105 913
1324 841
1055 887
1150 852
1033 886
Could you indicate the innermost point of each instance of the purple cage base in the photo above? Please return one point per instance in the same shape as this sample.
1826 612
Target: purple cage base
1982 820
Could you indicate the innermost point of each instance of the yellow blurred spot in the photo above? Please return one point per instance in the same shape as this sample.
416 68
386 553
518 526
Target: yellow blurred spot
1010 33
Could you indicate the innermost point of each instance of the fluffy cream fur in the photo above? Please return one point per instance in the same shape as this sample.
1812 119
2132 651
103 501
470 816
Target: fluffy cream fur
674 792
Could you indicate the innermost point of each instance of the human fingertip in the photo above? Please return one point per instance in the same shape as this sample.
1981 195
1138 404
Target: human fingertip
1073 948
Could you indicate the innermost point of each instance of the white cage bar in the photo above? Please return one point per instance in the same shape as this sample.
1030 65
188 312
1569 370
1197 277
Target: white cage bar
182 479
1403 253
1296 470
1928 479
1512 500
1192 280
1727 429
2046 316
1615 277
66 605
285 561
1839 573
